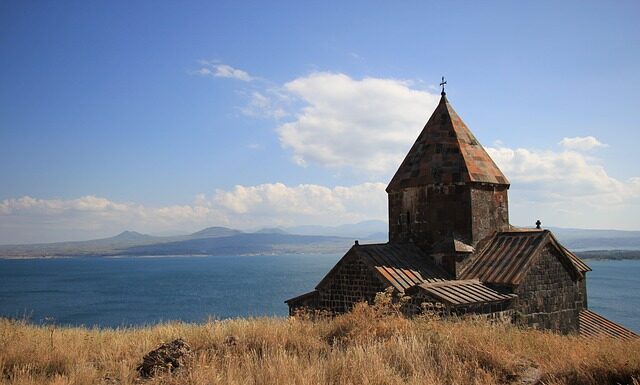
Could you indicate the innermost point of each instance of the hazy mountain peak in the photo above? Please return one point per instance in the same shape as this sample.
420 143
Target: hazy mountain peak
271 230
128 235
215 231
351 230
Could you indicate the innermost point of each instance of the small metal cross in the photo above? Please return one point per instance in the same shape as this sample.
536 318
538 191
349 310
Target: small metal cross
442 85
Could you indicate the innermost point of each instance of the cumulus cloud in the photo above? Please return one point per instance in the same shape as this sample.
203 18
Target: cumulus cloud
220 70
365 125
569 171
335 121
28 219
581 143
292 203
52 206
567 188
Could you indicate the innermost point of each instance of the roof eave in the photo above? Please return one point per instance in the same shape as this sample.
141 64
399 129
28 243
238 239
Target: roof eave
301 296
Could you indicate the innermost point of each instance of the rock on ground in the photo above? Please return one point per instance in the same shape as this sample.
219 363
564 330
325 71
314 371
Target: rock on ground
165 358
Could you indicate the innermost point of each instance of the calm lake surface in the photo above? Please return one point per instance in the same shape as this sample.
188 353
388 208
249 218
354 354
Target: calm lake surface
111 292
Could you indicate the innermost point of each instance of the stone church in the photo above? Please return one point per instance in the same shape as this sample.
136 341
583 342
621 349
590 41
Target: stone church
451 245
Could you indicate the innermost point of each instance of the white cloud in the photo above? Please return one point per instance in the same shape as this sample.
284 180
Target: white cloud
220 70
563 188
28 219
317 203
364 125
226 71
203 71
263 106
52 206
367 126
567 188
336 121
569 171
581 143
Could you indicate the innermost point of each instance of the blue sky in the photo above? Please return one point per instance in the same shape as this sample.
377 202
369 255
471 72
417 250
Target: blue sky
172 116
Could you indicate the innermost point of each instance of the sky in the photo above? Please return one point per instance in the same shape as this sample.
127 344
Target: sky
167 117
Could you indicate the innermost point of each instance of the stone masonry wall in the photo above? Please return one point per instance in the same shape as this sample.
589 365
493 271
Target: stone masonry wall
582 294
548 298
305 302
490 209
429 213
353 282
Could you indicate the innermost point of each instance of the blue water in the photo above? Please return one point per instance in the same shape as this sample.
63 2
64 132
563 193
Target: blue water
613 290
136 291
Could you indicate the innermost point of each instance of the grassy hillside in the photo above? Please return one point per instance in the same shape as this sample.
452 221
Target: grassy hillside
368 346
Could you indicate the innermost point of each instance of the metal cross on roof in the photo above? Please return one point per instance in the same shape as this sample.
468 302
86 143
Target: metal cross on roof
442 85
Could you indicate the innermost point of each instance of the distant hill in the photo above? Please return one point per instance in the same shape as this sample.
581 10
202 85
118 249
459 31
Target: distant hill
132 236
210 241
81 248
271 230
589 239
215 232
609 254
613 244
247 243
380 237
360 230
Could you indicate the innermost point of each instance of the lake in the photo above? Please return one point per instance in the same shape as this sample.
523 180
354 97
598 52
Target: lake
111 292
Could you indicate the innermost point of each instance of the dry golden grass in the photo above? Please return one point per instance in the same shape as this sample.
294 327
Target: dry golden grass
367 346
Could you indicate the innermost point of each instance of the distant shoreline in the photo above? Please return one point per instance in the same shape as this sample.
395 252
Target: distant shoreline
609 255
49 257
593 255
222 241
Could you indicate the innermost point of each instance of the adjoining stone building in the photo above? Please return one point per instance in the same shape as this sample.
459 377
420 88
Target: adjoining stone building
451 244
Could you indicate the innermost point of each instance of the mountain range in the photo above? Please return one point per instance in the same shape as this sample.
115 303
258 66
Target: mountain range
209 241
291 240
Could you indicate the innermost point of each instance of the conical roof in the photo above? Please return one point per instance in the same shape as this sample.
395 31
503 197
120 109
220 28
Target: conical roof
446 152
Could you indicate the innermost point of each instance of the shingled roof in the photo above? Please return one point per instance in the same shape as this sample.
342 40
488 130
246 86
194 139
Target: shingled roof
446 152
593 325
399 265
506 257
462 292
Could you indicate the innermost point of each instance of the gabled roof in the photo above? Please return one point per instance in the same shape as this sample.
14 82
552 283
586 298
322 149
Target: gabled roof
302 297
593 325
463 292
446 152
399 265
579 263
507 256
